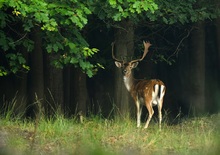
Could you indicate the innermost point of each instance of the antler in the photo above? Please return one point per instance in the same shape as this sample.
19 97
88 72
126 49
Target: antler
113 56
146 46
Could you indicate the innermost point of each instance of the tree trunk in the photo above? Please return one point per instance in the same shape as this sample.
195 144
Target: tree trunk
124 47
80 92
36 87
217 93
21 85
53 86
197 98
21 91
67 89
21 94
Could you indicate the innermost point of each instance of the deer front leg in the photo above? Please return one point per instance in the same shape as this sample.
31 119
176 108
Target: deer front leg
151 112
139 111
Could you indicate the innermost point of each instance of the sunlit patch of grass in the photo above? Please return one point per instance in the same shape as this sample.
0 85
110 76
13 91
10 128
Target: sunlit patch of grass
97 135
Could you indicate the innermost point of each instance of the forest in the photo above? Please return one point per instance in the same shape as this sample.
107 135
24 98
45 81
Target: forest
55 55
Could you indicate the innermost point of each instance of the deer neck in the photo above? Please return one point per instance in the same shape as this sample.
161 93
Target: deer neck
128 81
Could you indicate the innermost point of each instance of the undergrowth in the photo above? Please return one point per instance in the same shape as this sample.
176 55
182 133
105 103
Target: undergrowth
101 136
96 135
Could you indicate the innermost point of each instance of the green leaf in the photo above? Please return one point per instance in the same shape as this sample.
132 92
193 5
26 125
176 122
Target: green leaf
3 71
89 73
21 60
28 25
74 60
72 46
95 50
28 44
112 2
100 66
55 48
165 20
49 48
26 67
3 41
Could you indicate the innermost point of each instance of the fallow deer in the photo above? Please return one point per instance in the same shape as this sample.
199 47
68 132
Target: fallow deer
144 92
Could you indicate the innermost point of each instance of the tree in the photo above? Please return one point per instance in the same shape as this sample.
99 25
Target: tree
36 87
218 48
124 40
80 92
54 86
197 80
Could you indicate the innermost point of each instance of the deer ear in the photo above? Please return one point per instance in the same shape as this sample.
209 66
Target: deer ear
134 64
118 64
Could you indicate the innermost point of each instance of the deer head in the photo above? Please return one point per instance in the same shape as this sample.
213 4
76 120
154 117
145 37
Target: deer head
128 66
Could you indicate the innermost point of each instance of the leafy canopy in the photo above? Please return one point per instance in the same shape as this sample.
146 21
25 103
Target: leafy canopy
62 24
118 10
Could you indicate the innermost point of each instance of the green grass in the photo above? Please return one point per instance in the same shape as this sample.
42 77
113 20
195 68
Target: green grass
97 136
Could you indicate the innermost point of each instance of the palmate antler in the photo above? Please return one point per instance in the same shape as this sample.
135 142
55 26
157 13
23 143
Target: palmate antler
146 47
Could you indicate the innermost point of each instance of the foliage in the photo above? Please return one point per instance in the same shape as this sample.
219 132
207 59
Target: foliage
63 26
158 11
123 9
16 59
61 23
171 12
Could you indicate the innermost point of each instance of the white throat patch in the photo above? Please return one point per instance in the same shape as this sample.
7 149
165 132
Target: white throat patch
126 81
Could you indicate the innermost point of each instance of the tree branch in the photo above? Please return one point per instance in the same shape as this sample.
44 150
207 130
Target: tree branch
177 48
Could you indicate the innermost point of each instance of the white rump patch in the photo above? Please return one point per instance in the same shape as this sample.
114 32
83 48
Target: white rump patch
162 91
155 94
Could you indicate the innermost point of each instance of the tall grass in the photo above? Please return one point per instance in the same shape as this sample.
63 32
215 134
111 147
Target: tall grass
99 136
103 136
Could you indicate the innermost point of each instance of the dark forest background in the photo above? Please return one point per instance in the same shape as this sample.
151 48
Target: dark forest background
44 65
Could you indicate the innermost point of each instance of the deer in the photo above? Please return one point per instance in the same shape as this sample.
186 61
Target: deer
144 92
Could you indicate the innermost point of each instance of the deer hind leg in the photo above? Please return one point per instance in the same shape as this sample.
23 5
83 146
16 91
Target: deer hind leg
151 112
150 102
160 104
160 114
